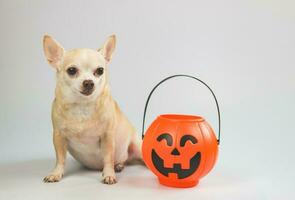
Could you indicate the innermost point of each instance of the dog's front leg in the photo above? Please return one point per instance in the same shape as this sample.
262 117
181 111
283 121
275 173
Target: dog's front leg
108 150
60 146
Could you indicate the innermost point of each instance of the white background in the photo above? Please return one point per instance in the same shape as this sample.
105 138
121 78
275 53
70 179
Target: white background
245 50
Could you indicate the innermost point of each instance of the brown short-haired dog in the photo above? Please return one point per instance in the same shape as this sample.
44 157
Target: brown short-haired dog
87 122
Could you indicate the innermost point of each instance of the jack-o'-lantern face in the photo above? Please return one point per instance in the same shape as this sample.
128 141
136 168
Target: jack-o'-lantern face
179 149
176 157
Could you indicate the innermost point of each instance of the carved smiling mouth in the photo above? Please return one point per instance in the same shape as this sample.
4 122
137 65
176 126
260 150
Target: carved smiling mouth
182 173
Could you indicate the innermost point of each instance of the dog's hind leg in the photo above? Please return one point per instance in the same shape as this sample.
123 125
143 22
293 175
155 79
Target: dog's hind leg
134 149
121 159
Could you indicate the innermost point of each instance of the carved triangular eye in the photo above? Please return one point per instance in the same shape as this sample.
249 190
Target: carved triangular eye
167 137
186 138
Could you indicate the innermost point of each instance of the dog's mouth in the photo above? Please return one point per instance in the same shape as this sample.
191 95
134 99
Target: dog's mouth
87 92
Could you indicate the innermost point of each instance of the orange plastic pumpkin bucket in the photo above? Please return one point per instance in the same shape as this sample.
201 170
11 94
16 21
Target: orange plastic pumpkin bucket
180 149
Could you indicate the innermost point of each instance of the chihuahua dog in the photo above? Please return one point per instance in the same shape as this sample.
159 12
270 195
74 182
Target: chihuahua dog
86 120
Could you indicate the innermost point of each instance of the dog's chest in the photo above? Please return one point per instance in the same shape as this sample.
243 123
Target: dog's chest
84 131
81 125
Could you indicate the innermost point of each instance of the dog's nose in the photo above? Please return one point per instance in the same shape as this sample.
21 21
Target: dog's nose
88 84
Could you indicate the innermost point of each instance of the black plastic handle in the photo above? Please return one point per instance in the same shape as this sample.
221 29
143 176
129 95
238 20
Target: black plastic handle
181 75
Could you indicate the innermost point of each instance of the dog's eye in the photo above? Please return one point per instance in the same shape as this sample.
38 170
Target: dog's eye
98 71
72 71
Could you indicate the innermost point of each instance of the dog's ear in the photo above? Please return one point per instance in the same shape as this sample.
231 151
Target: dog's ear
53 51
108 48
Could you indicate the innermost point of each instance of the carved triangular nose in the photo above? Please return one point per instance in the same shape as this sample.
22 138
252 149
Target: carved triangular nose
175 152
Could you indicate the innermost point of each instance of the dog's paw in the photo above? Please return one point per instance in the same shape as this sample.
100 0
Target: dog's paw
119 167
109 180
52 178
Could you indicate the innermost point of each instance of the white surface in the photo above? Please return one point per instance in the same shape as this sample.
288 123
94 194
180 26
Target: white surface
243 49
23 180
